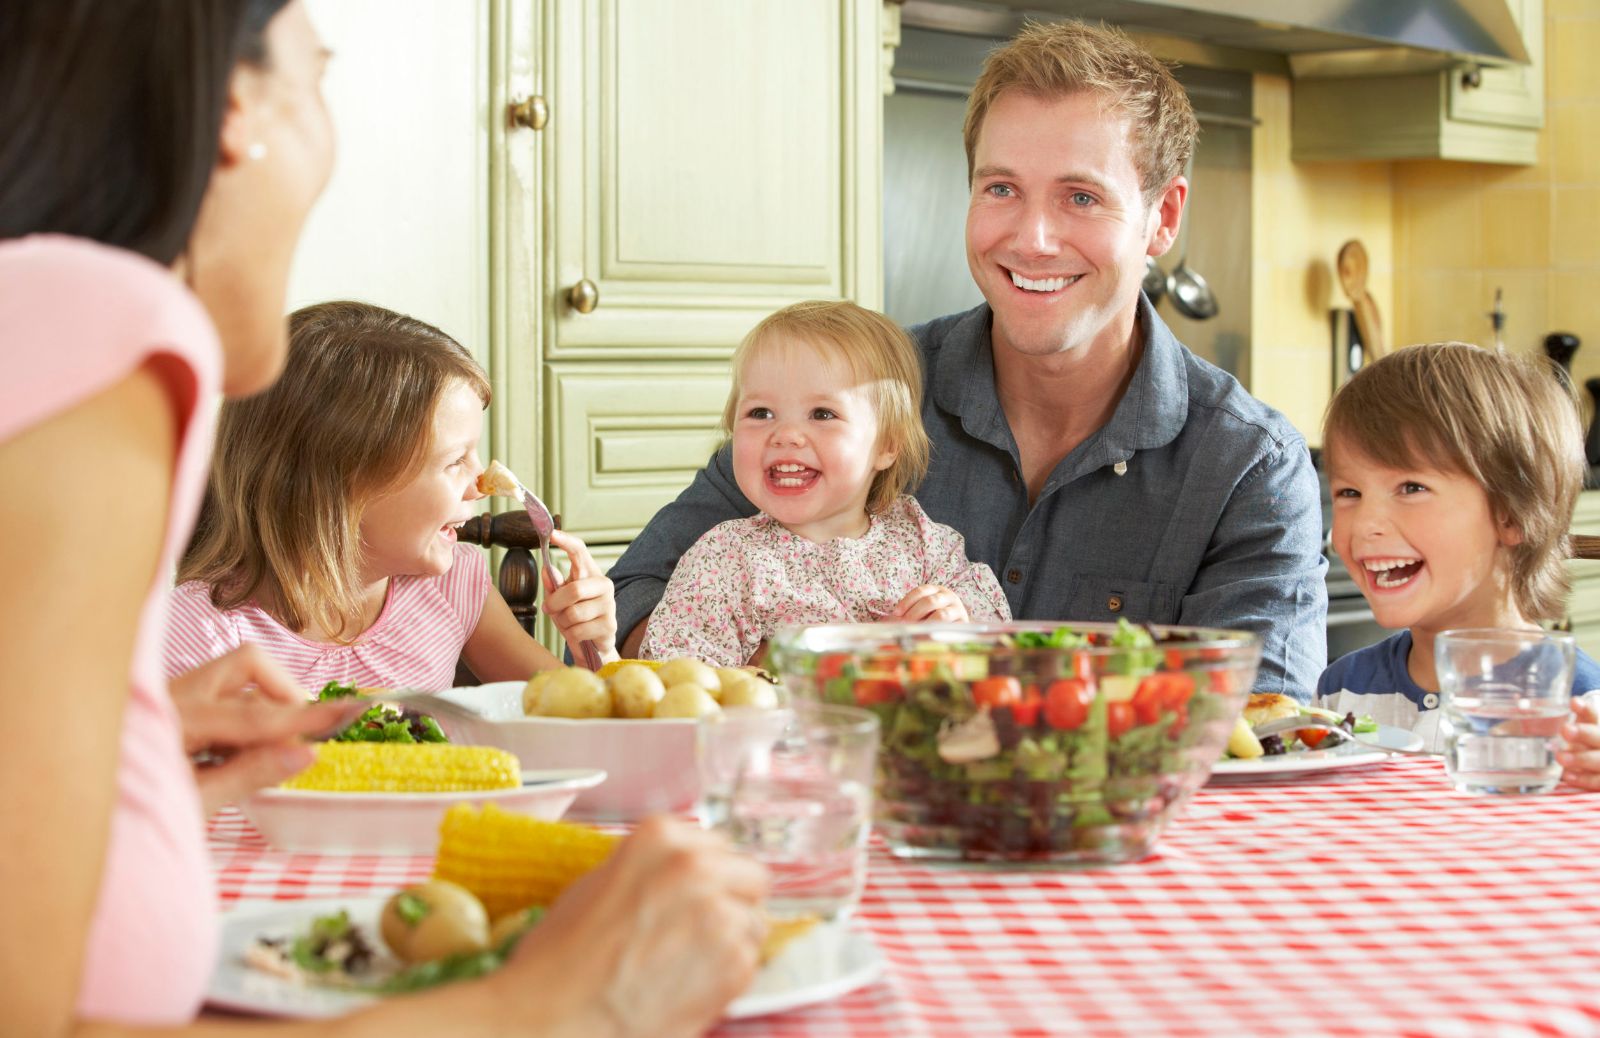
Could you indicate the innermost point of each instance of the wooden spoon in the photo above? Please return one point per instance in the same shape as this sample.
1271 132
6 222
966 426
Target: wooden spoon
1352 265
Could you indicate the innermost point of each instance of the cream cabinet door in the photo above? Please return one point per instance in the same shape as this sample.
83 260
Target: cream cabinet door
711 160
624 439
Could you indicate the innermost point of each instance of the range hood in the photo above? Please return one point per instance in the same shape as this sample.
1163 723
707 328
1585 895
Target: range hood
1316 37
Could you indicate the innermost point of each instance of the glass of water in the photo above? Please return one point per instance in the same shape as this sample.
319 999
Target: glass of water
793 787
1505 696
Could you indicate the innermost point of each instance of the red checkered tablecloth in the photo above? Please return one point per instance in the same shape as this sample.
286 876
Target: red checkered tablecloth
1364 902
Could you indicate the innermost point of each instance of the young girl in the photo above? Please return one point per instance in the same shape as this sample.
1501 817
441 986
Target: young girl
826 420
328 534
1454 472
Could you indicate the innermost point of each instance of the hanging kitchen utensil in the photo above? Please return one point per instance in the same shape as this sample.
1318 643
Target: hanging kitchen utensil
1352 266
1189 291
1155 280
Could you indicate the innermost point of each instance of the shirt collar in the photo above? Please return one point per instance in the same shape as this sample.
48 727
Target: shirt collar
1151 413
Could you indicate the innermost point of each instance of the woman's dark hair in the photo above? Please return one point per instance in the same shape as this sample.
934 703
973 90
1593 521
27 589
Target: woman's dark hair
110 114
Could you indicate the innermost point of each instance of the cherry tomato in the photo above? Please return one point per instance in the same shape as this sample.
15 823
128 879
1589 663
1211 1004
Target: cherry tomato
877 690
831 667
1083 666
1223 682
1119 718
1066 703
921 666
999 690
1175 660
1027 710
1161 694
1312 737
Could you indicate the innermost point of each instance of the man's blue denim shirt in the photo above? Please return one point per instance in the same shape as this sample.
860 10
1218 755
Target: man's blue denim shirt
1214 520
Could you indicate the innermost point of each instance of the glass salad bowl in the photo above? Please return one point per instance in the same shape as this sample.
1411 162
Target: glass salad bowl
1057 744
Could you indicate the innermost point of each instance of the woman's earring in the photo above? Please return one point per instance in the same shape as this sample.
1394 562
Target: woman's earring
256 151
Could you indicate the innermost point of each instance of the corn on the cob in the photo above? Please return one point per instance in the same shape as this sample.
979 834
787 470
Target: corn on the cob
615 665
388 767
512 861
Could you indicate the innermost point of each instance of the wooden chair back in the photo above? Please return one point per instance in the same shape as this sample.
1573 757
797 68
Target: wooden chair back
519 570
1583 546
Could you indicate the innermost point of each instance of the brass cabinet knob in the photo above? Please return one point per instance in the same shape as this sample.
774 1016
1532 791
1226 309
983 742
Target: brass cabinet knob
530 112
584 296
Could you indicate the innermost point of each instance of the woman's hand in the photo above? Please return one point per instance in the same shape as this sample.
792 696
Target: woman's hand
1580 758
657 941
585 607
243 710
930 603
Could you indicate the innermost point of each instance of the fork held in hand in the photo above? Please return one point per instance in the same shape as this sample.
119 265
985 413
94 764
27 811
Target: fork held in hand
544 524
1286 725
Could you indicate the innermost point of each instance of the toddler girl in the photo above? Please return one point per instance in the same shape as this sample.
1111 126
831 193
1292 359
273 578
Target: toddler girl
328 534
826 420
1454 471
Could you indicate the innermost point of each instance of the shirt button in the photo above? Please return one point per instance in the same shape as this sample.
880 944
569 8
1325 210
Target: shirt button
1430 700
1013 575
1114 603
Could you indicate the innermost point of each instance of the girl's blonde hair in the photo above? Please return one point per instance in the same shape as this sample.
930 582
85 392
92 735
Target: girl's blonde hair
296 466
879 355
1508 421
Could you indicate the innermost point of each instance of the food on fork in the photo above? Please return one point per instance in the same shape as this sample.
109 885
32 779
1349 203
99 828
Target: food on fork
497 481
678 688
383 722
376 767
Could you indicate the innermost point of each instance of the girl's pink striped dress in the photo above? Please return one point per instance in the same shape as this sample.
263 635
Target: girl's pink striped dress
413 644
77 318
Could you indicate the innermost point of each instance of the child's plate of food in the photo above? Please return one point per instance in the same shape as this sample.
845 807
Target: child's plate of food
633 720
286 959
389 798
1250 758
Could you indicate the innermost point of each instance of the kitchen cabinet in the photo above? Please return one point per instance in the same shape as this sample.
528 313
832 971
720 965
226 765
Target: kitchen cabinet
1583 607
1475 115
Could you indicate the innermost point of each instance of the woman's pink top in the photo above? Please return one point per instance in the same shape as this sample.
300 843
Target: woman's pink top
745 578
414 643
77 318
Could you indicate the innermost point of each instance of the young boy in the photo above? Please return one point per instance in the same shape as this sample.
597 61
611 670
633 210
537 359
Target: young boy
1454 472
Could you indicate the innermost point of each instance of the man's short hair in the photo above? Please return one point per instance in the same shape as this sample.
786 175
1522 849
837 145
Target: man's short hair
1506 420
1052 60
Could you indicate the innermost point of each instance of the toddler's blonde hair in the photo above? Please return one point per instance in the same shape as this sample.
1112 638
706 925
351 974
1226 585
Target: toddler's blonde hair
877 353
1506 420
296 466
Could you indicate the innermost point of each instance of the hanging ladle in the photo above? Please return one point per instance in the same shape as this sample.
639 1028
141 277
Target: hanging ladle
1155 280
1189 291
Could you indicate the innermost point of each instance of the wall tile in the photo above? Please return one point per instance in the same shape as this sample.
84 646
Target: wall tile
1575 233
1573 129
1516 227
1444 228
1572 46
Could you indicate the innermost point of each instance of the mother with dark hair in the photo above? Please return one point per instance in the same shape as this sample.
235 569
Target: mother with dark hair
157 162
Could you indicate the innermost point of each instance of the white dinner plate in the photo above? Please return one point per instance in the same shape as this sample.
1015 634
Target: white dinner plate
822 964
1369 748
398 823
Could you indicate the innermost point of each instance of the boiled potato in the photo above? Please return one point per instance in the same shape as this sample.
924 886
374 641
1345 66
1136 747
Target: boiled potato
635 691
530 695
430 920
742 688
1242 741
686 700
574 692
686 670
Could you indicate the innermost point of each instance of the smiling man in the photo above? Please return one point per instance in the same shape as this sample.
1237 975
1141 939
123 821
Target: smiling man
1094 463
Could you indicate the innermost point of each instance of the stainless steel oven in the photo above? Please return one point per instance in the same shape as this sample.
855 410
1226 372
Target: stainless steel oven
1351 625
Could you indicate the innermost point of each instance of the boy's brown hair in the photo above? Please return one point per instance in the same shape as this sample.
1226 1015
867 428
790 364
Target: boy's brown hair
878 354
296 466
1506 420
1052 60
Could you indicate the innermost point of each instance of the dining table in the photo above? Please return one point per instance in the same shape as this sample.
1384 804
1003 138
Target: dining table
1360 901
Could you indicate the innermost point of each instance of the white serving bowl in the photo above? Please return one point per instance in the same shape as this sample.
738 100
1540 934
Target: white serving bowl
649 764
399 823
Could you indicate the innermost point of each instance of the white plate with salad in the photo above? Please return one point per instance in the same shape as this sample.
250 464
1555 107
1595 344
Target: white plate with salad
1368 747
826 962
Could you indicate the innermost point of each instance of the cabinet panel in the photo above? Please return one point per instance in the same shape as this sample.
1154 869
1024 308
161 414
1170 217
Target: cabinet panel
1507 96
624 441
707 167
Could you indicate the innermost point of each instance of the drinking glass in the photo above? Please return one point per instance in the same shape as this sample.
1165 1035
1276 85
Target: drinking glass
793 787
1505 695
